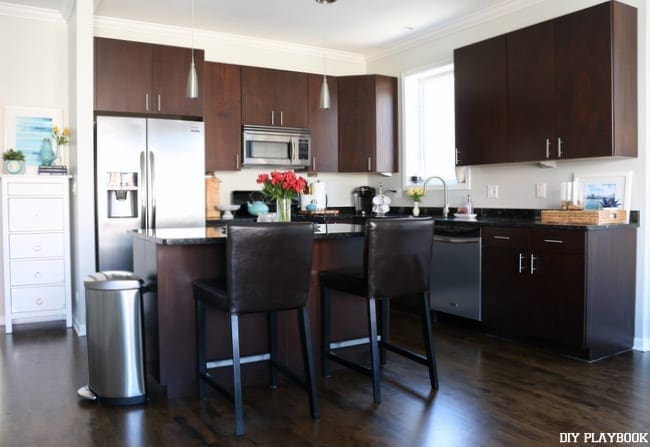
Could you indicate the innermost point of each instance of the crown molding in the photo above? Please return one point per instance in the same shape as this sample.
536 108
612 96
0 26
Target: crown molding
176 35
453 26
30 12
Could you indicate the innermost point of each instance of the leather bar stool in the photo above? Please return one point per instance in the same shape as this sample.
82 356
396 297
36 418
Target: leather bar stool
396 264
268 268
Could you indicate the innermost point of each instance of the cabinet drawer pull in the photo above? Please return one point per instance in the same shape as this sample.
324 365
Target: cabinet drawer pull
521 263
559 147
532 264
553 241
452 304
39 301
146 101
548 148
37 247
369 164
503 238
37 275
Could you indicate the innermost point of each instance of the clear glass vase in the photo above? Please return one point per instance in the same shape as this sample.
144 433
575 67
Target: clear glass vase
283 210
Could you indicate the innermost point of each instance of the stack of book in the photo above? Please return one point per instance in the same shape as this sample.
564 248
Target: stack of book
53 170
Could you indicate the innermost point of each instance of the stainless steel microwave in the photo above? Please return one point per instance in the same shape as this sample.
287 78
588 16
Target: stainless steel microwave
276 146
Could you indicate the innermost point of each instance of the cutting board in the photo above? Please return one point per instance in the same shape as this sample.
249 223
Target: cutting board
212 198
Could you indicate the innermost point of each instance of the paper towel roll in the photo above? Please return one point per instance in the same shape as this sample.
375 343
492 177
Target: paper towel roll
319 193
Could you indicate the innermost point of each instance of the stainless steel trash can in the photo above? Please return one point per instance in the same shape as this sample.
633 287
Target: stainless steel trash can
115 338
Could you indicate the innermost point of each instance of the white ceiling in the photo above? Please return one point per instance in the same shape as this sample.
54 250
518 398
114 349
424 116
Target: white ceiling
360 26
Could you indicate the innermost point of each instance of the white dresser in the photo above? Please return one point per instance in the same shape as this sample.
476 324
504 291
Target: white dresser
36 248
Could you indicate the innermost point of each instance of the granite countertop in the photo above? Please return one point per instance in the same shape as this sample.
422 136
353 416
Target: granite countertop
216 234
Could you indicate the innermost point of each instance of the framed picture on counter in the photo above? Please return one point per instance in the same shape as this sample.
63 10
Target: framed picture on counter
596 187
26 127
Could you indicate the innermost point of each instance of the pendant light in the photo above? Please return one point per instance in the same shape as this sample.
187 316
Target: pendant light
324 88
192 87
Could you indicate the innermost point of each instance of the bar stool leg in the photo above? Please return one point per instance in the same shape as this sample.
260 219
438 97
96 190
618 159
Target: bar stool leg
326 309
385 316
200 346
308 360
428 341
272 320
236 372
374 354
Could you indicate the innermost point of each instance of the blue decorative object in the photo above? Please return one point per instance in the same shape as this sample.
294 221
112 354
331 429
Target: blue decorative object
46 154
257 207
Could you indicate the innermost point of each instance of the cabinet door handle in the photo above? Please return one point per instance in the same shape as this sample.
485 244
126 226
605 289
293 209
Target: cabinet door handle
37 275
559 147
146 101
281 118
159 102
37 247
313 163
532 263
548 148
504 238
457 156
369 164
272 117
553 241
39 301
237 161
521 263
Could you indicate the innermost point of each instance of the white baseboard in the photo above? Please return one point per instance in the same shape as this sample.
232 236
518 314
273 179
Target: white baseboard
641 344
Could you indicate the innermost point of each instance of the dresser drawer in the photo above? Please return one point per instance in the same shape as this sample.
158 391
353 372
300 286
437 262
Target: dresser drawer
46 189
33 299
36 246
49 271
35 214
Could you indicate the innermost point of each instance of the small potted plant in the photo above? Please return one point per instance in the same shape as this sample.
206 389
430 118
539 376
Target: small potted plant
609 203
14 162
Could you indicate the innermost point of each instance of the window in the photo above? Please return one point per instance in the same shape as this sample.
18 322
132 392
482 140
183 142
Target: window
429 139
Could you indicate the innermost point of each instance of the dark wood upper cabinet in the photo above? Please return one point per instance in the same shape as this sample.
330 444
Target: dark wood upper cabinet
595 81
222 116
324 126
274 97
122 76
571 89
171 66
531 108
367 123
480 89
134 77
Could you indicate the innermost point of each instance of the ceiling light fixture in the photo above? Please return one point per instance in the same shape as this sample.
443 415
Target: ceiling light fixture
192 87
324 88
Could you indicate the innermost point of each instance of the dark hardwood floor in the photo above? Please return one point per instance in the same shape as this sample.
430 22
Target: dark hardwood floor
492 392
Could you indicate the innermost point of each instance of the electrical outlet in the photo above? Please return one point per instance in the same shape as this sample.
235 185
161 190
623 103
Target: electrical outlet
540 190
493 191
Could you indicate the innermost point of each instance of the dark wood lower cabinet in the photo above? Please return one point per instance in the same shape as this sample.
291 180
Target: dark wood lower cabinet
572 288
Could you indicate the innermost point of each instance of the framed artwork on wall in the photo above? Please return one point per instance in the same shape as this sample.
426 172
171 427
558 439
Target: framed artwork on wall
26 127
596 187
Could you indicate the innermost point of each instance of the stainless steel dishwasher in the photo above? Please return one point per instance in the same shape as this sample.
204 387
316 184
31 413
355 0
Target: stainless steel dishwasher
456 269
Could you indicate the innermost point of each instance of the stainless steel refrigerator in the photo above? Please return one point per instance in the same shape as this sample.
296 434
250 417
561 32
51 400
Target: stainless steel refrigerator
149 173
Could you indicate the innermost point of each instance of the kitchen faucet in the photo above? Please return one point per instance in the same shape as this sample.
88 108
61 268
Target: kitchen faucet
445 208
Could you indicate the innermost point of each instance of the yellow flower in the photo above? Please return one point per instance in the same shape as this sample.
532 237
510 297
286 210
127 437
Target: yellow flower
415 193
66 132
55 130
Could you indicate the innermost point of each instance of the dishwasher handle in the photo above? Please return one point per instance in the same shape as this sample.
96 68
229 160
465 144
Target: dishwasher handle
456 239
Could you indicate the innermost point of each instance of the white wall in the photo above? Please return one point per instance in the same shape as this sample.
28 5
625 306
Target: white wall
34 73
517 181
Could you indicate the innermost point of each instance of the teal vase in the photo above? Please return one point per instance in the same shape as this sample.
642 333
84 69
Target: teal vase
46 154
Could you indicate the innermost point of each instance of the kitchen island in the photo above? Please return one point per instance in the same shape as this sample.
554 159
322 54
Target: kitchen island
171 259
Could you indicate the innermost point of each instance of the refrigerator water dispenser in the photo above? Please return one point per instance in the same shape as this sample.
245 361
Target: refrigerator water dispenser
122 191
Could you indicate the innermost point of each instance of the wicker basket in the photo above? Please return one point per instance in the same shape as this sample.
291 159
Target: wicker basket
584 217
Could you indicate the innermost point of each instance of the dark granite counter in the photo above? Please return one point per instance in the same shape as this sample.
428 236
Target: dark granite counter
216 234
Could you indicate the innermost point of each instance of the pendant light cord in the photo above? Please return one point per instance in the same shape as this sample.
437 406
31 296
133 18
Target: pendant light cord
192 32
